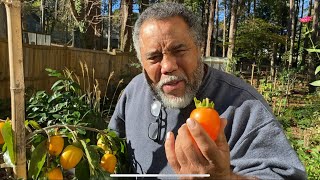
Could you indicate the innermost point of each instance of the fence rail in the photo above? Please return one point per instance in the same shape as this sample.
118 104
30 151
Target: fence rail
38 58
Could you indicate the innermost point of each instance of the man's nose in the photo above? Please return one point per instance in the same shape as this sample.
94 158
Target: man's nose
168 64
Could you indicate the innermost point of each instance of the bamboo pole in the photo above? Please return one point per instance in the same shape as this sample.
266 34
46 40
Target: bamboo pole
17 86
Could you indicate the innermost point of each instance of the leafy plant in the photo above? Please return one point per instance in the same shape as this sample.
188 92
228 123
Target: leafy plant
314 48
310 156
302 127
316 83
74 100
65 105
74 110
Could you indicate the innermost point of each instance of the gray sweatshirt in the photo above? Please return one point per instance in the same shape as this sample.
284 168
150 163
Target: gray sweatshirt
258 146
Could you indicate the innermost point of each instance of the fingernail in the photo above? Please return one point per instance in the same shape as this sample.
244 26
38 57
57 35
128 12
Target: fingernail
191 123
168 135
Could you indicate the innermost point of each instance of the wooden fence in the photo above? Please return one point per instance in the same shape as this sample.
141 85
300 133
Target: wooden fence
38 58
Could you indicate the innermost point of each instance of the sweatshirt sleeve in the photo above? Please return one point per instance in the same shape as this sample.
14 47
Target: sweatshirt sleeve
117 122
258 145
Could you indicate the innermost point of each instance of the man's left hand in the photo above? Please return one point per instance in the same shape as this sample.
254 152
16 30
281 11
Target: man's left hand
194 152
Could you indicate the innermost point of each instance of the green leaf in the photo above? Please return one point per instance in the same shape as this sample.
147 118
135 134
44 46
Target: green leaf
34 124
317 70
38 159
82 171
53 73
57 116
57 83
315 83
92 156
313 50
55 96
58 86
8 139
40 94
81 131
4 148
101 174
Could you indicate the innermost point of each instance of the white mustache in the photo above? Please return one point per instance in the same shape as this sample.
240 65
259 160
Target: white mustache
171 78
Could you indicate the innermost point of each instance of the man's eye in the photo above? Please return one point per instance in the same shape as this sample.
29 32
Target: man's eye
179 51
155 58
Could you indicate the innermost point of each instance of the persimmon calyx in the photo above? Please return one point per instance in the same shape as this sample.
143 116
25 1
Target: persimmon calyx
205 103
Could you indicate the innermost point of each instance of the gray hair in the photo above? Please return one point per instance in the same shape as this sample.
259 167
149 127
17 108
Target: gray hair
166 10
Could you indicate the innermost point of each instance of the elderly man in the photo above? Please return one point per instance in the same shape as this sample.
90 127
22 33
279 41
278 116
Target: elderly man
153 111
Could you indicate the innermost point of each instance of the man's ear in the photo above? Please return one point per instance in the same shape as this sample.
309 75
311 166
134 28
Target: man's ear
201 50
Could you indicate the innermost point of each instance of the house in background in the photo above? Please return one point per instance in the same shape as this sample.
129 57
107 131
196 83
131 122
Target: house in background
32 31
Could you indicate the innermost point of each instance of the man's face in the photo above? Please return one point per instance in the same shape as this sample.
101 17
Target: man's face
171 60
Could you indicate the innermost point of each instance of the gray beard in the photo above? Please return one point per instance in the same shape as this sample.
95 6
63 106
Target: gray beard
190 92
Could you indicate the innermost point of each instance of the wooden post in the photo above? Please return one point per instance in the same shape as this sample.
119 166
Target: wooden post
17 86
275 78
252 72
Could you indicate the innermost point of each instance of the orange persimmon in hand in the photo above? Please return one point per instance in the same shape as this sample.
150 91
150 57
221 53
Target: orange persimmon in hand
207 116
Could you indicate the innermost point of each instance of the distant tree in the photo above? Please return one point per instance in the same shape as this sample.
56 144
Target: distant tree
292 31
256 42
143 5
232 29
83 17
224 28
87 17
277 13
109 24
216 34
299 33
236 11
210 27
306 38
126 25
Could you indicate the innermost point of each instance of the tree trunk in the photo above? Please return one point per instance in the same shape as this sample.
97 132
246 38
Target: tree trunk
254 7
109 25
295 52
232 30
306 39
205 19
210 27
292 31
126 26
273 60
3 20
94 30
249 7
43 16
87 35
216 36
315 22
299 33
17 87
54 21
236 11
314 35
224 29
143 6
